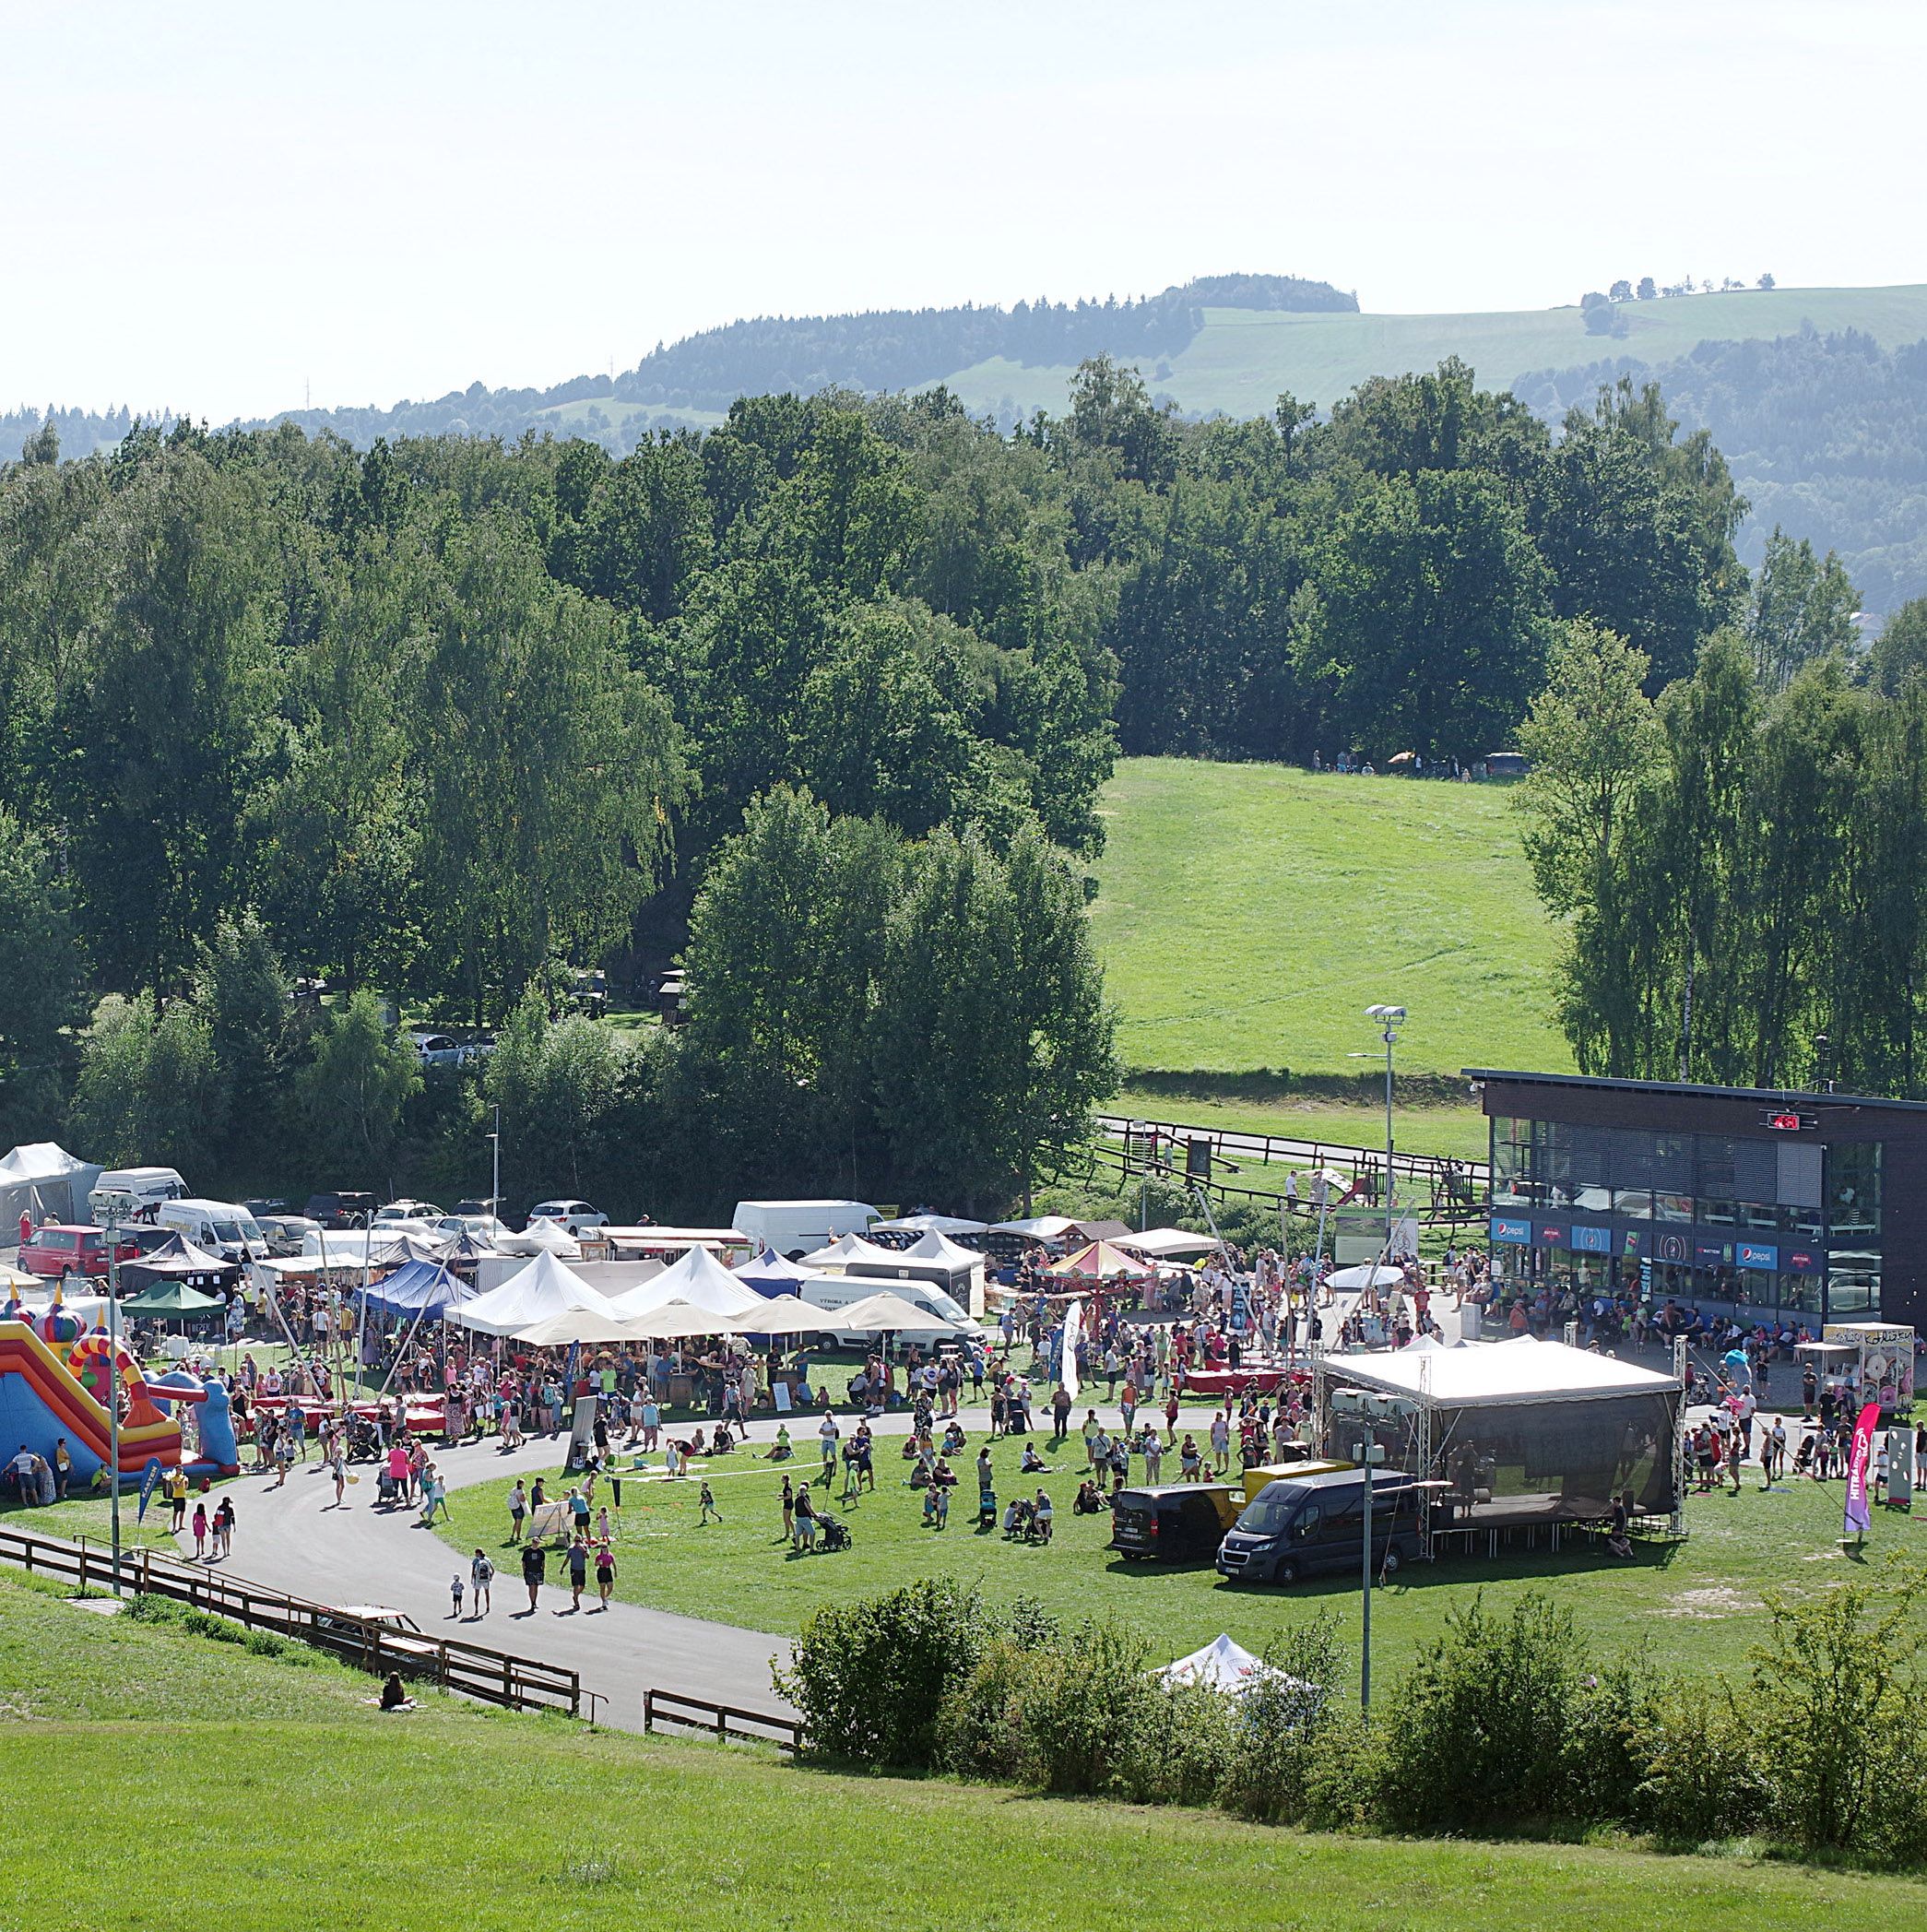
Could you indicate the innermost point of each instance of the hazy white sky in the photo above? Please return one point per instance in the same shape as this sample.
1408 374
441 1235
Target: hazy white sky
214 206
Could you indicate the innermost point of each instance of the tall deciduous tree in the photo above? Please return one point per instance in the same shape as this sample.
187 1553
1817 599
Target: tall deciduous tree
41 965
352 1093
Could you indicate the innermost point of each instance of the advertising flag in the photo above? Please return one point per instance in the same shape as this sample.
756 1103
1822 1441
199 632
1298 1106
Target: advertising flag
1074 1333
149 1480
1859 1517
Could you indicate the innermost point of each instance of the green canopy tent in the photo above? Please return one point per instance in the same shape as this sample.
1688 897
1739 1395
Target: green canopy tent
173 1299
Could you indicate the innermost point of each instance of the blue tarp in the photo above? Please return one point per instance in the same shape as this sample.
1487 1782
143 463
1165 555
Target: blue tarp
418 1287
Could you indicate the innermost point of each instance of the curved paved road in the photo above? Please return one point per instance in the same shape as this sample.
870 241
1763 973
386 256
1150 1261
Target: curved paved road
293 1539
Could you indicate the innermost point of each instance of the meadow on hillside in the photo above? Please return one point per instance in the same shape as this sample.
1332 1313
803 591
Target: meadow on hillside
1248 914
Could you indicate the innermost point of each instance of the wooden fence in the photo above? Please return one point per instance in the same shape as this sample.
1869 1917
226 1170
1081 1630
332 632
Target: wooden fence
701 1713
473 1670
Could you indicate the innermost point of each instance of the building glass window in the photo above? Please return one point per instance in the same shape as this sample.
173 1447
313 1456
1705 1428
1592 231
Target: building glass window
1852 1286
1853 1191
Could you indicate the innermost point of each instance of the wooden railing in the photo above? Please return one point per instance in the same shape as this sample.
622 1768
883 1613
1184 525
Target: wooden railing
472 1670
701 1713
1234 1144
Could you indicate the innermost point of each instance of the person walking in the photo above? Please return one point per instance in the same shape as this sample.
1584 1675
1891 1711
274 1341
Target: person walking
604 1571
200 1532
519 1510
481 1576
224 1527
828 1435
578 1570
535 1562
790 1510
705 1499
338 1463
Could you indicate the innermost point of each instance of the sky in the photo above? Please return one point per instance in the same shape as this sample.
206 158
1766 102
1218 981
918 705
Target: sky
232 209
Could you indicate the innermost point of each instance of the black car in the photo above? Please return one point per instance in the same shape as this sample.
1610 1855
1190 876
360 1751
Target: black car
1175 1523
345 1210
1302 1524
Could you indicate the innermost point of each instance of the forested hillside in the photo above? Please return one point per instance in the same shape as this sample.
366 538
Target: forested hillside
450 720
1826 435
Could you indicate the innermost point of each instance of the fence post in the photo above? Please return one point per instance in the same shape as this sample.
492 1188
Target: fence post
648 1709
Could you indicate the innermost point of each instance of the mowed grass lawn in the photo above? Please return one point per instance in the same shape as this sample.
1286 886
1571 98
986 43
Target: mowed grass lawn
1458 1133
1248 914
1701 1603
162 1781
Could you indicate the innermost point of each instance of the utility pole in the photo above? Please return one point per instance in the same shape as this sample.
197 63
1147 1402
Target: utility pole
1388 1018
113 1384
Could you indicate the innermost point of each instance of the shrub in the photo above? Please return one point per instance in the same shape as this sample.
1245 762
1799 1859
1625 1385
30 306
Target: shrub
1479 1734
1835 1705
1700 1780
1610 1719
1284 1721
870 1679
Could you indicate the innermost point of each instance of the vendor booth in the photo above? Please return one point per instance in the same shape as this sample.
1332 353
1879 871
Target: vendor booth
1514 1433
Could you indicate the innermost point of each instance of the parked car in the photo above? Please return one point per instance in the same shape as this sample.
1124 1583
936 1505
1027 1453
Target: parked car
491 1204
65 1247
407 1211
1174 1522
575 1215
484 1227
341 1210
439 1050
1302 1524
286 1234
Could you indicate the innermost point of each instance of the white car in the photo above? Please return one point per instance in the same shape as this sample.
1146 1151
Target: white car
423 1211
484 1227
575 1215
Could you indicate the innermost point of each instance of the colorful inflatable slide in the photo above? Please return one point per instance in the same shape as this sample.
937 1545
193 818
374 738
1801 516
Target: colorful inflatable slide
48 1391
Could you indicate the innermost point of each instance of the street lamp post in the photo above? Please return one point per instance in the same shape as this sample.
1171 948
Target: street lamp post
113 1386
495 1167
1388 1018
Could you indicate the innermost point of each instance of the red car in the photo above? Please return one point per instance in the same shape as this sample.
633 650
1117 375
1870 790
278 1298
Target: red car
62 1247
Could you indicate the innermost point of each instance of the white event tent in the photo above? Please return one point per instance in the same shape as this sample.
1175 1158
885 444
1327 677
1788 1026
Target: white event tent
543 1288
784 1315
887 1314
929 1223
1166 1244
841 1256
46 1182
698 1279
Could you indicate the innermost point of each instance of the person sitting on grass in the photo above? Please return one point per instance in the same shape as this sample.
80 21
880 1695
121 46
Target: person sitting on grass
953 1437
1010 1518
779 1451
1033 1465
919 1477
1089 1502
943 1475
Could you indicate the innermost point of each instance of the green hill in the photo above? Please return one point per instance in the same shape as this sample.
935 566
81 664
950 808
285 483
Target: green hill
1248 914
1242 358
264 1793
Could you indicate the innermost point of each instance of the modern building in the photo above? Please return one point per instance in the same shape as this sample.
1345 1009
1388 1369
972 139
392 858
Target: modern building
1811 1206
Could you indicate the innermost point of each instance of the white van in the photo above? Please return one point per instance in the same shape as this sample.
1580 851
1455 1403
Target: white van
835 1291
799 1227
145 1187
220 1227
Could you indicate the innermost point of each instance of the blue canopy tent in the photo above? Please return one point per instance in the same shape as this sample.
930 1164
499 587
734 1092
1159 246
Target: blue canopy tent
770 1275
418 1288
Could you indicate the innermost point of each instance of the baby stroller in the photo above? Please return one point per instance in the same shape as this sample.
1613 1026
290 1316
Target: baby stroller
364 1440
836 1535
387 1491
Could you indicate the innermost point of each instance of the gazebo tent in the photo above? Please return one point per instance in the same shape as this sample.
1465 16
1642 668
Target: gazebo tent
1098 1261
930 1224
176 1259
46 1181
1169 1244
772 1274
1521 1432
545 1287
174 1299
424 1288
698 1279
959 1271
841 1255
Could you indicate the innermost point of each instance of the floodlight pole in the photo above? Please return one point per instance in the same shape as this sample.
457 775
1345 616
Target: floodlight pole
1388 1018
495 1165
113 1386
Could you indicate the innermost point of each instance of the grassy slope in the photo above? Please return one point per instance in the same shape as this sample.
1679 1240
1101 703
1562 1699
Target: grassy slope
1243 357
241 1791
1699 1602
1248 914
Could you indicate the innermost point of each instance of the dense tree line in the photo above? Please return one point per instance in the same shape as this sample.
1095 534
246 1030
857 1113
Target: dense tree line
450 720
1738 859
1825 433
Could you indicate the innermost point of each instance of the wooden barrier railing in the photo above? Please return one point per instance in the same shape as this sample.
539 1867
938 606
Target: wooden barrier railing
473 1670
701 1713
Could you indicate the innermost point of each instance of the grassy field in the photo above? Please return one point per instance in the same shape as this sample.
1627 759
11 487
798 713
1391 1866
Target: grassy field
1456 1132
1248 914
1700 1602
1242 358
164 1781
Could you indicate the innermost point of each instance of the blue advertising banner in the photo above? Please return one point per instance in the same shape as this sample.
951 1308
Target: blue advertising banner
1592 1240
1517 1233
1756 1254
1548 1234
1710 1254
